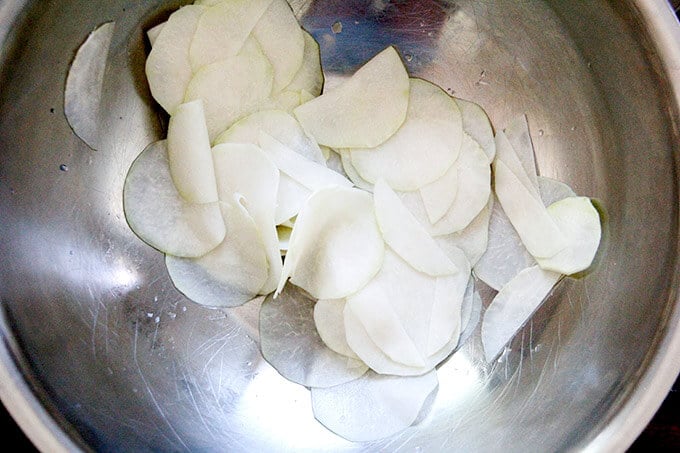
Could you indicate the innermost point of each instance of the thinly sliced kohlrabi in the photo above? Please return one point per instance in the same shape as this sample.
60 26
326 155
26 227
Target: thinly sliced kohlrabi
517 164
373 406
470 312
517 133
365 110
160 216
513 306
290 198
84 85
153 32
280 125
291 344
222 30
438 196
189 154
352 172
407 314
231 89
246 170
472 240
330 323
309 77
233 272
281 40
308 173
579 222
552 190
336 246
423 148
476 123
406 236
168 68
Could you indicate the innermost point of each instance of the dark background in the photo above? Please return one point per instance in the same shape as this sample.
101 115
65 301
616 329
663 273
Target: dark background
661 435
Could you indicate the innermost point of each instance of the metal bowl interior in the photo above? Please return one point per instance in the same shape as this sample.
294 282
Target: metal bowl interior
100 351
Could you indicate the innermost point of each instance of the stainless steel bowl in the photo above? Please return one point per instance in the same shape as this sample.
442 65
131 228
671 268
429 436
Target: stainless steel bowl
99 351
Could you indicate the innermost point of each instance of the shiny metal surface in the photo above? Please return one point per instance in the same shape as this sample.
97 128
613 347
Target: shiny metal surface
100 352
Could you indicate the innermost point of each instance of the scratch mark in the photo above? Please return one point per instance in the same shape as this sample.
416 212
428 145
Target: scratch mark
198 410
153 397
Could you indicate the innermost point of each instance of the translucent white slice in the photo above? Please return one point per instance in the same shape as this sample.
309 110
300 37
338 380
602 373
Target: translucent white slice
552 190
246 170
231 89
470 312
290 198
222 30
474 189
160 216
376 359
330 323
168 68
425 146
476 123
84 83
286 100
404 234
438 196
153 32
579 222
537 229
407 314
282 41
309 77
513 306
352 173
336 246
506 154
280 125
233 272
333 161
290 343
505 254
373 406
308 173
517 133
472 240
189 154
365 110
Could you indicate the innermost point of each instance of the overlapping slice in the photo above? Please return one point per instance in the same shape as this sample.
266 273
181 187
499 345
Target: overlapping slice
476 123
291 344
336 246
365 110
373 406
309 77
160 216
232 273
329 321
425 146
513 306
168 67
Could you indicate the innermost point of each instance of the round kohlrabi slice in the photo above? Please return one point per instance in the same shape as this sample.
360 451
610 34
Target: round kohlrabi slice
309 77
407 314
352 172
189 154
282 41
519 138
373 406
222 30
476 123
336 246
513 306
438 196
517 164
308 173
425 146
246 170
291 344
406 236
232 89
232 273
168 68
330 323
579 222
153 32
365 110
505 254
280 125
160 216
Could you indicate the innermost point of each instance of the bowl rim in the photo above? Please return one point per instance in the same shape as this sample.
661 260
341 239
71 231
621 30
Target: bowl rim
620 431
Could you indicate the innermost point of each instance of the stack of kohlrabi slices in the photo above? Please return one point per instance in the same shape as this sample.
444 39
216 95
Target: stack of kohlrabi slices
377 192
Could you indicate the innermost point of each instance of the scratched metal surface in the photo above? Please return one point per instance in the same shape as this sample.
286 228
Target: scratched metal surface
124 362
